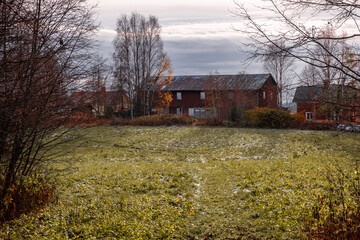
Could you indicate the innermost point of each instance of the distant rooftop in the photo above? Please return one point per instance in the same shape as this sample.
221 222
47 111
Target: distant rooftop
307 93
314 93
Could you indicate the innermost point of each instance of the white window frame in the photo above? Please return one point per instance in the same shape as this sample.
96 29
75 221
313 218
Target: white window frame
264 95
230 95
191 111
309 115
202 95
178 96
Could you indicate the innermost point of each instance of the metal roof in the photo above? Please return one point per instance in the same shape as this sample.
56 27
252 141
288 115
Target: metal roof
307 93
223 82
316 92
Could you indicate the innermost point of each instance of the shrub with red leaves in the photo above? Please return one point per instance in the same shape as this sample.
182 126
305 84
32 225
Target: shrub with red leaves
29 194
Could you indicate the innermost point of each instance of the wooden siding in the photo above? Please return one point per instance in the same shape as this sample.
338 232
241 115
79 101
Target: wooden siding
271 95
310 107
314 107
243 99
189 99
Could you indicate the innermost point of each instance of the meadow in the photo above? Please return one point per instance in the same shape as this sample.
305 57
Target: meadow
195 183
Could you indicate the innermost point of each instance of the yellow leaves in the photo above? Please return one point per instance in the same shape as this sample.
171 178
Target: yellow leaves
165 99
163 77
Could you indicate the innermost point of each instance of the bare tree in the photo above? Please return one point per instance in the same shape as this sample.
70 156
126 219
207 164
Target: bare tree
43 50
99 72
293 22
309 76
303 39
137 57
279 64
212 93
337 86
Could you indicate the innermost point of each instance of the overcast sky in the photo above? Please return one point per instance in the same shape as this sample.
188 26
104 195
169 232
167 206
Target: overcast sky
197 34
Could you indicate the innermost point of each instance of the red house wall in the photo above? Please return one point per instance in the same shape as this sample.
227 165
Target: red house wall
314 107
245 100
189 99
271 96
310 107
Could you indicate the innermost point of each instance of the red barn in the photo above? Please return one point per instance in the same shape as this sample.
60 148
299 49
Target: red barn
215 96
333 102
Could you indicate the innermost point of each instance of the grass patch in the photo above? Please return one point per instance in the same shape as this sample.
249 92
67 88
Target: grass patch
189 182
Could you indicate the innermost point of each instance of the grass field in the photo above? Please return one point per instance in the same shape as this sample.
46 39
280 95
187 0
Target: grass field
190 183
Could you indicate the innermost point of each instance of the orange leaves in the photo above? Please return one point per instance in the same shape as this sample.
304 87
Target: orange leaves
165 99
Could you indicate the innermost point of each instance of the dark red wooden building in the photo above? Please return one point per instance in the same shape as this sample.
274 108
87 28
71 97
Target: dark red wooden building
215 96
329 102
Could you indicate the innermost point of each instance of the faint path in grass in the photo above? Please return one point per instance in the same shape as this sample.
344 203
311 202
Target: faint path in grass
187 183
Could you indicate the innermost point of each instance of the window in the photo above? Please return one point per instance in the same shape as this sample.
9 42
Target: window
199 113
308 115
264 95
191 112
230 95
202 95
178 96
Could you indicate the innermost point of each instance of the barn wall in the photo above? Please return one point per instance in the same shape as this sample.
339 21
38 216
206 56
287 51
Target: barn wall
310 107
189 99
270 99
244 100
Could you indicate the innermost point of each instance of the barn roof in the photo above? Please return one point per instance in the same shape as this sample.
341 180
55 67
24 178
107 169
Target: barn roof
316 92
308 93
223 82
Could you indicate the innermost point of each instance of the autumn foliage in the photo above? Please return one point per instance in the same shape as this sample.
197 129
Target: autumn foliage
270 118
165 76
36 189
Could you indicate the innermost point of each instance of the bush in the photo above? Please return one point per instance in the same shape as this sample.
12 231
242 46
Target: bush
313 125
122 114
269 118
212 122
162 120
109 111
86 120
236 113
300 118
336 212
25 196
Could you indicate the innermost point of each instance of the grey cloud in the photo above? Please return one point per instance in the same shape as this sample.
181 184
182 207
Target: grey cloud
202 56
193 56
